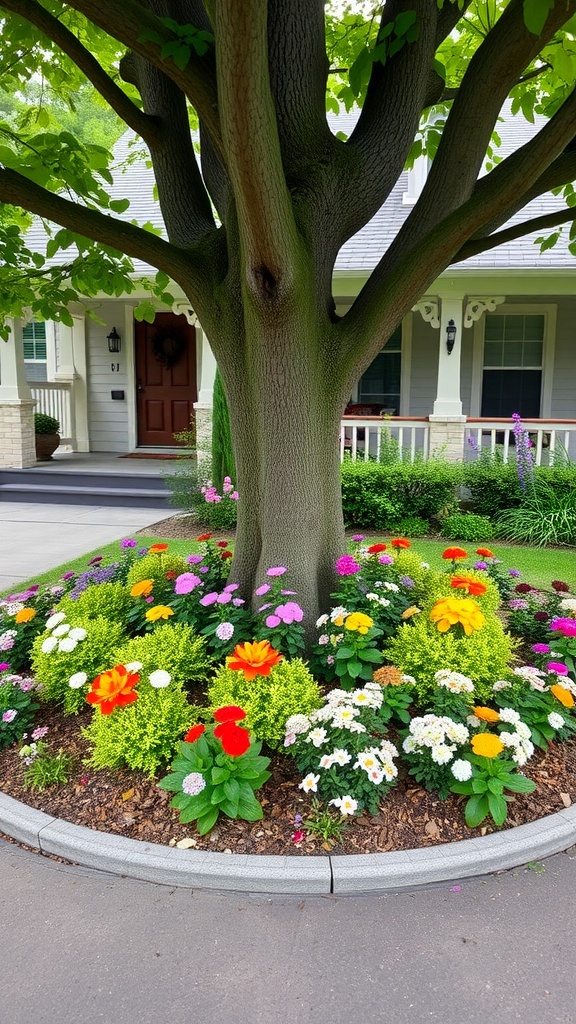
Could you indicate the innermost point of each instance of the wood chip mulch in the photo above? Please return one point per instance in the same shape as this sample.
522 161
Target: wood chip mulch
130 804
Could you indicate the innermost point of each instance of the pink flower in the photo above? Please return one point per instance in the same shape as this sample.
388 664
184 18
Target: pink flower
194 559
272 621
238 602
186 582
298 836
234 495
347 566
565 626
385 560
9 716
209 599
277 570
541 649
224 598
4 666
290 612
557 666
357 537
231 587
260 591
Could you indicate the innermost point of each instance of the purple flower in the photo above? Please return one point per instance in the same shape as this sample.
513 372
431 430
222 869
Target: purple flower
541 649
514 572
517 604
565 626
142 551
231 587
127 543
149 600
194 559
4 666
480 565
203 568
209 599
357 537
260 591
407 581
186 582
9 716
225 631
224 598
347 566
272 621
385 560
68 576
6 643
288 593
276 570
264 607
558 667
238 602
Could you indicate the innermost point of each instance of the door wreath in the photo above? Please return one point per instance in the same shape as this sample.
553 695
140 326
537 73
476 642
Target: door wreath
168 344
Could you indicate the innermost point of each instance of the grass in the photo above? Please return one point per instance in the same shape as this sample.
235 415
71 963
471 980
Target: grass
539 566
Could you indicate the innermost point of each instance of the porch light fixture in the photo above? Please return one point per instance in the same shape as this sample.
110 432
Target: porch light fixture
113 340
450 336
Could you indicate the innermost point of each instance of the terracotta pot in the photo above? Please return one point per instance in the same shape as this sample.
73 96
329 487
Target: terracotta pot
46 445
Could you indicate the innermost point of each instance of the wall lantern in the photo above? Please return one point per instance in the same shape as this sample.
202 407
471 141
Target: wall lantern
113 340
450 336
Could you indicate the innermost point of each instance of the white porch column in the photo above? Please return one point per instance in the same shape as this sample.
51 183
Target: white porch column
17 444
203 407
72 369
447 424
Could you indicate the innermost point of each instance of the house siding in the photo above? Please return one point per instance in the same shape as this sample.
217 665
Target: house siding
107 417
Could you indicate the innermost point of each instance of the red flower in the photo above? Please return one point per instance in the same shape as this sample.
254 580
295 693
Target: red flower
194 733
171 575
400 542
226 554
204 536
485 552
560 587
541 617
454 553
469 584
235 740
523 588
222 544
231 713
157 549
374 549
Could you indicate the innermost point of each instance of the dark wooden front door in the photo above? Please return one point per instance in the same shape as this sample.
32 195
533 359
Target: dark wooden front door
165 379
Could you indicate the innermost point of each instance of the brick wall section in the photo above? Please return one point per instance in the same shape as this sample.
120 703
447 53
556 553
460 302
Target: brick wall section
447 437
17 444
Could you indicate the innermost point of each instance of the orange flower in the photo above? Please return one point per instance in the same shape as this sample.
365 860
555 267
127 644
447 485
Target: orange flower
412 610
204 536
114 688
563 695
142 589
487 745
24 615
486 714
455 553
469 584
400 542
485 552
157 549
254 659
159 611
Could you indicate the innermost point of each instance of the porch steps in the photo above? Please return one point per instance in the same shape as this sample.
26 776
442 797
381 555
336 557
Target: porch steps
63 487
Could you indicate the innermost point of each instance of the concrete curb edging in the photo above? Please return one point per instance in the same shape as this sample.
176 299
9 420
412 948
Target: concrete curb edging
339 875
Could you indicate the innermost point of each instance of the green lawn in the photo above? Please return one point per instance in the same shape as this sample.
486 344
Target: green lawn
538 565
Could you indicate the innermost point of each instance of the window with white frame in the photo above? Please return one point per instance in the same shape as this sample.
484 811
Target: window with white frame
34 344
513 364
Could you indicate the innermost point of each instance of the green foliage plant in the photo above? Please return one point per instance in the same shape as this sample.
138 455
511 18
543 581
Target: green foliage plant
268 701
44 424
324 824
381 496
176 649
155 567
467 526
107 600
487 789
91 655
46 769
18 705
544 516
223 464
440 585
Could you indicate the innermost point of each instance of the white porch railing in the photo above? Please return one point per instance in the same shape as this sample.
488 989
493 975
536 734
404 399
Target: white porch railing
56 399
551 439
364 437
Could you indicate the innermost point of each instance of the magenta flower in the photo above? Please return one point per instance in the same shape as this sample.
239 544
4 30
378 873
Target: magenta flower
558 667
68 576
209 599
347 566
357 537
541 649
290 612
127 543
4 666
231 587
264 607
514 572
272 621
565 626
385 560
276 570
234 495
186 582
96 559
288 593
194 559
260 591
9 716
224 598
480 565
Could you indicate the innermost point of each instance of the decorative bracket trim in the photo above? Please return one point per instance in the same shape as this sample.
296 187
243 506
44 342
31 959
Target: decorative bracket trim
183 308
428 307
479 304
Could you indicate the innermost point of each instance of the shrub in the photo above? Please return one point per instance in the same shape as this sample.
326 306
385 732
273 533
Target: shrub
467 526
411 526
44 424
268 701
154 567
495 487
380 496
143 736
420 650
408 563
440 585
108 600
92 655
175 648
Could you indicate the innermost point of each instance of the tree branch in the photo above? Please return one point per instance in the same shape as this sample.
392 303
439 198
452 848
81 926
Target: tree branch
127 21
526 227
51 27
266 224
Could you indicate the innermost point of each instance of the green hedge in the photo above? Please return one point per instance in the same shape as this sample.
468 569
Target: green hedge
495 487
383 496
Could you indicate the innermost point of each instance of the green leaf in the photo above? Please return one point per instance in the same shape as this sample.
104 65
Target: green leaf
479 784
498 808
250 810
476 810
370 654
119 205
344 652
518 783
208 820
354 668
219 775
536 13
232 789
496 786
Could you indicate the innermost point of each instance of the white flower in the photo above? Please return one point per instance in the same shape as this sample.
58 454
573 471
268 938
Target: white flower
391 586
326 761
472 721
461 770
337 696
356 727
454 681
193 784
387 750
77 680
61 630
568 604
78 633
555 720
375 775
425 565
345 804
323 639
409 745
12 607
310 783
501 684
67 644
297 724
289 739
337 613
132 666
509 715
320 622
367 759
55 619
341 756
49 644
317 737
159 679
368 698
441 753
408 679
343 716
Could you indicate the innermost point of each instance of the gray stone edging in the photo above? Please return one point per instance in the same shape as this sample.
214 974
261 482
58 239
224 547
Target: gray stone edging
167 865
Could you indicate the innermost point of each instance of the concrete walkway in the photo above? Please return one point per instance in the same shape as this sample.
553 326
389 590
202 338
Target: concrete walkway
34 538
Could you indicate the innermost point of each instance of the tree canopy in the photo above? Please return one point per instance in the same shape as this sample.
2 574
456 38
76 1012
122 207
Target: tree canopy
255 220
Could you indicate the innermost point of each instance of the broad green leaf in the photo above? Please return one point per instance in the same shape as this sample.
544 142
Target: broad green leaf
536 13
208 820
476 810
498 808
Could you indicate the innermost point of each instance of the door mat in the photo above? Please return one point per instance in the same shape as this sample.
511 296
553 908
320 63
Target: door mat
141 455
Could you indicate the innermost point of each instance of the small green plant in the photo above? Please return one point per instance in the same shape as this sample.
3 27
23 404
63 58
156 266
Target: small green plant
44 424
544 517
47 769
412 526
467 526
486 789
18 705
176 649
155 567
325 824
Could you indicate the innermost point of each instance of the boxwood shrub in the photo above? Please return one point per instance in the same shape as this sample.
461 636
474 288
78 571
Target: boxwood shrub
383 496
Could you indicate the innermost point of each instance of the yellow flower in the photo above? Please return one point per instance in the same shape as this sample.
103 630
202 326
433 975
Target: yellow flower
451 611
486 714
159 611
487 745
563 695
412 610
142 589
358 622
339 621
25 615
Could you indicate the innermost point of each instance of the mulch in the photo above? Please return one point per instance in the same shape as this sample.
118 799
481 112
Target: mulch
130 804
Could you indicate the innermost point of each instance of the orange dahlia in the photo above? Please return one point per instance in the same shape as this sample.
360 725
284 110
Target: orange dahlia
469 584
455 554
142 589
563 695
25 615
485 552
254 659
400 542
114 688
157 549
452 611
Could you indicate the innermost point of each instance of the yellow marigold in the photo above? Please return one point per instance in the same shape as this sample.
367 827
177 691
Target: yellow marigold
486 714
487 745
412 610
563 695
25 615
142 589
159 611
358 622
451 611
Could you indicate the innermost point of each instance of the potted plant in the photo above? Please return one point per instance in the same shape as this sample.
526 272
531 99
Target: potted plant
47 437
